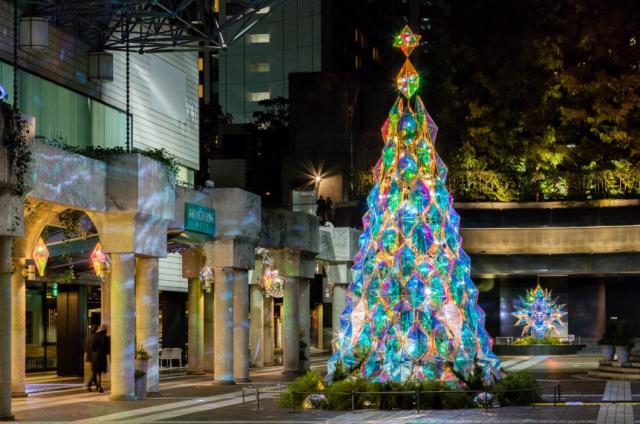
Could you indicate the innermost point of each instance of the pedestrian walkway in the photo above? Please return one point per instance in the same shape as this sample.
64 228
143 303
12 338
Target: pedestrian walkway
616 391
523 363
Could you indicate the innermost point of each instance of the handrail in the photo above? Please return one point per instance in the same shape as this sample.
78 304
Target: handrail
417 393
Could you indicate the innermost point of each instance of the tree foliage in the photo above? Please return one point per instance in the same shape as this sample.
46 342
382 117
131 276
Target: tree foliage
541 96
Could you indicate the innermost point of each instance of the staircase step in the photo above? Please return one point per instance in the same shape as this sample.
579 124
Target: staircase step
614 375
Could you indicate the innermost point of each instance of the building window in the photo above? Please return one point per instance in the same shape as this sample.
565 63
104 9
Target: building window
259 96
376 54
357 35
259 38
263 11
358 62
261 67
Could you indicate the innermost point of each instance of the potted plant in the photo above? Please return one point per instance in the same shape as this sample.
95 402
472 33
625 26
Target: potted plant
142 359
623 342
141 384
142 365
606 342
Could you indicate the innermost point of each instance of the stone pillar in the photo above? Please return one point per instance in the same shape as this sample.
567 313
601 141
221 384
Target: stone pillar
268 330
223 322
5 328
105 317
123 326
105 303
304 310
256 325
338 305
241 325
291 331
195 327
209 332
147 313
18 329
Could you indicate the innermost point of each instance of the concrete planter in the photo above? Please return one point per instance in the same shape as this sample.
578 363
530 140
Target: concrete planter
607 352
141 382
622 352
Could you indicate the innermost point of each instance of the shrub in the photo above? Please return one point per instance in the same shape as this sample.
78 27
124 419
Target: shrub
531 340
518 381
608 338
338 400
310 382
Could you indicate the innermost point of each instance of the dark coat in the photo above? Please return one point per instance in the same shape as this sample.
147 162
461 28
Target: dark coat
88 345
100 350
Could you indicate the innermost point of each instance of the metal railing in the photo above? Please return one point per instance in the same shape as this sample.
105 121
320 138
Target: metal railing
418 394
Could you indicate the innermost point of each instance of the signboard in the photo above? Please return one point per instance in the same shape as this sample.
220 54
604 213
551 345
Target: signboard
199 219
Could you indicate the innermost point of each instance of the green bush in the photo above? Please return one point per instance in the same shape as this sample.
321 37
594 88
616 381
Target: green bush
517 381
532 340
310 382
337 400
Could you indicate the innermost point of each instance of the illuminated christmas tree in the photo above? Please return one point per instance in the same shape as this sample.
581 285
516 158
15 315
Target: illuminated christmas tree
539 314
412 310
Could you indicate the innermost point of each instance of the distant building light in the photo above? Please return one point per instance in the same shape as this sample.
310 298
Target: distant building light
261 67
259 96
264 10
200 91
259 38
358 62
201 64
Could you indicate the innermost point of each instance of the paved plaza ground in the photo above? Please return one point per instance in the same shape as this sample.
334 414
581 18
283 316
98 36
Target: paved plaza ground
194 399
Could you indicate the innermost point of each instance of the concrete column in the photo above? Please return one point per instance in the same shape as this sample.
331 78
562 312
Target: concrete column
147 313
268 333
223 322
123 326
5 328
241 325
208 332
338 305
304 310
195 327
105 317
18 329
291 331
256 325
105 303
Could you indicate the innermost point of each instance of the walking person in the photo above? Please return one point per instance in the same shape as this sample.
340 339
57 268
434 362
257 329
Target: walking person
88 354
330 210
100 350
321 209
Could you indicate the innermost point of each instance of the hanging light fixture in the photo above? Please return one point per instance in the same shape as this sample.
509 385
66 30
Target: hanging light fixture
40 256
101 262
34 33
207 278
270 280
100 66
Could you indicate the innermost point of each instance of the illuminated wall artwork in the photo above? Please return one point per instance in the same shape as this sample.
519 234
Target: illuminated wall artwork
411 311
101 262
539 314
270 280
40 256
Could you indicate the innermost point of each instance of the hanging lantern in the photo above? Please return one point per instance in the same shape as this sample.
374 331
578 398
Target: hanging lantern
101 262
34 33
207 278
272 283
40 256
100 66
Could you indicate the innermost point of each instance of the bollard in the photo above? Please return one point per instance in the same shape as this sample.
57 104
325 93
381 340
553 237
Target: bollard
242 396
258 398
418 400
353 402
